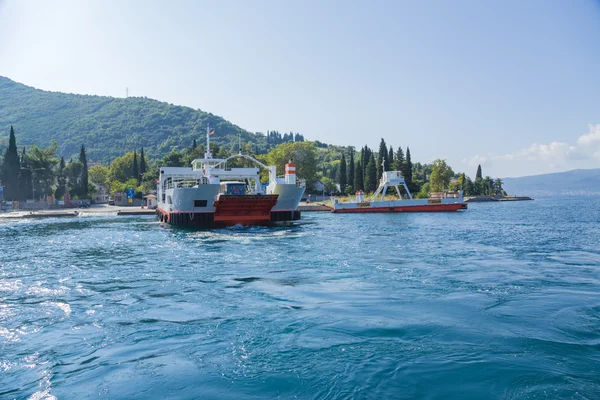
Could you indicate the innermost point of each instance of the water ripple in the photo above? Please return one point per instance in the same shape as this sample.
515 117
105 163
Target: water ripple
501 301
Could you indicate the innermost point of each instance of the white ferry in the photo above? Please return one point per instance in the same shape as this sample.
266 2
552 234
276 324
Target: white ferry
446 201
209 194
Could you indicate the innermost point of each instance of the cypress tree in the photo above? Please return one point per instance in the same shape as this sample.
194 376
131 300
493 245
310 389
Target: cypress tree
343 177
358 177
143 166
399 161
407 171
84 180
351 169
134 167
382 159
11 167
371 178
365 163
478 175
193 147
361 170
390 166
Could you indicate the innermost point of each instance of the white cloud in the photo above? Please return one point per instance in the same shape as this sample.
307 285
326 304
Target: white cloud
592 138
547 156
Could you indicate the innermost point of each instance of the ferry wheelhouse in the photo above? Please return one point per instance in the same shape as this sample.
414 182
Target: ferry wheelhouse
446 201
209 194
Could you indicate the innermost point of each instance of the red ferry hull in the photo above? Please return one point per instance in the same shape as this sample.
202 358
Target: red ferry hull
232 210
416 208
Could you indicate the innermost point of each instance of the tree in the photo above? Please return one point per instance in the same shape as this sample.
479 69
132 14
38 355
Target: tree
84 180
135 172
399 160
303 154
371 177
407 171
11 168
351 178
478 175
120 168
488 185
42 162
25 189
143 165
424 192
440 176
468 186
382 160
498 190
73 173
358 178
343 176
61 185
174 159
478 187
329 185
390 166
193 146
365 161
99 175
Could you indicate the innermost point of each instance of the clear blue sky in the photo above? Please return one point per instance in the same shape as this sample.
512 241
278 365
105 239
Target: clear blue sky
514 85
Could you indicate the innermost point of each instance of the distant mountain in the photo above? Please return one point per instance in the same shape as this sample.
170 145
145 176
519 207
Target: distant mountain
108 126
578 181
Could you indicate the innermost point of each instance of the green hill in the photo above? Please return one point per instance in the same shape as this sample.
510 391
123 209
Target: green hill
108 126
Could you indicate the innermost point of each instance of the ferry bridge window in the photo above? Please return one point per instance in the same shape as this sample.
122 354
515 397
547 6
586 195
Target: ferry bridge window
200 203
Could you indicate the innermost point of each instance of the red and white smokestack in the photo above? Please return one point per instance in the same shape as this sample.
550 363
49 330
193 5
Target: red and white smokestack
290 173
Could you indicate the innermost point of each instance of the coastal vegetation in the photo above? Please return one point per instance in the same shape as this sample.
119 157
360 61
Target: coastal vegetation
40 172
127 140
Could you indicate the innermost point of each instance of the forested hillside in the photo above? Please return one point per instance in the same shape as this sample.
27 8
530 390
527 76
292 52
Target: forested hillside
48 126
111 126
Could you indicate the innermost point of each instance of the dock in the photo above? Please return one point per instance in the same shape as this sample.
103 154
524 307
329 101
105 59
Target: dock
70 212
107 210
314 207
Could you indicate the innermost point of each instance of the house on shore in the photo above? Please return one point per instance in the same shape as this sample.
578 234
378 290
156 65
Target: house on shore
101 196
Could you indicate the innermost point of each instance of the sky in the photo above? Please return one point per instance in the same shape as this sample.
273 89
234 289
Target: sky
511 85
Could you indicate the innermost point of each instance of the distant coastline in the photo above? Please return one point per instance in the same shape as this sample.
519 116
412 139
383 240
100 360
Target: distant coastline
484 199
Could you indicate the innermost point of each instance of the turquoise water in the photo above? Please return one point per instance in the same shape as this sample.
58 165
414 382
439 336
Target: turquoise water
500 301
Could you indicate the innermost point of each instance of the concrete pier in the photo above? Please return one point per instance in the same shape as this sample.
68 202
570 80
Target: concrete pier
100 209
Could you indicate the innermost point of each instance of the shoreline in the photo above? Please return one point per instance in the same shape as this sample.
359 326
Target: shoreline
99 209
116 211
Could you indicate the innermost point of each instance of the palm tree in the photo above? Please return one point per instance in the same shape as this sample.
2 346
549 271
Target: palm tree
498 186
41 163
488 184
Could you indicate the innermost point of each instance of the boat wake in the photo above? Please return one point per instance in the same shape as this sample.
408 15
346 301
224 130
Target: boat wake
97 214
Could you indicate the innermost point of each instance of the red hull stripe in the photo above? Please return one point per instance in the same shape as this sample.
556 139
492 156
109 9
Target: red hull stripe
424 208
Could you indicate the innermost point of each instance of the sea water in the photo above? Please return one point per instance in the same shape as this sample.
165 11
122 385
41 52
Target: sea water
499 301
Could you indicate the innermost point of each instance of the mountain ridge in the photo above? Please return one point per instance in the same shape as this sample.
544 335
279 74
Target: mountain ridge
572 182
108 126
